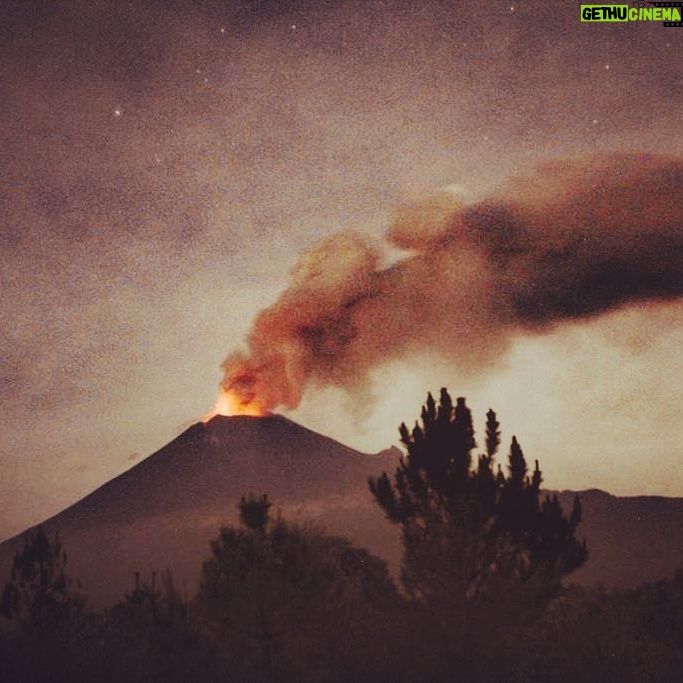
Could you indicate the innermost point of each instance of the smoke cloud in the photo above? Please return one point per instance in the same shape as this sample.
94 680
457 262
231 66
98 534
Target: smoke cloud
577 238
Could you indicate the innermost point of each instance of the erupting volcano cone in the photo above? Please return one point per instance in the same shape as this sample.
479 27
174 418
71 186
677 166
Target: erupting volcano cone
164 511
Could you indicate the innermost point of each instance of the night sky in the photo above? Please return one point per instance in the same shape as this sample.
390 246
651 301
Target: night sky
165 163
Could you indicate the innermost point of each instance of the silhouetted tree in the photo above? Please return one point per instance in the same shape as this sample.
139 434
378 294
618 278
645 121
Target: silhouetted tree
39 594
150 635
254 512
278 594
464 528
157 600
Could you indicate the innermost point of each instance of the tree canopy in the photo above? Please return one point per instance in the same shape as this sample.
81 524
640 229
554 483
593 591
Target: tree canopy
39 594
465 526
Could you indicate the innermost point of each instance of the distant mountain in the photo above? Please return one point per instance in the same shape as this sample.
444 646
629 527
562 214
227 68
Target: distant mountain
630 539
164 511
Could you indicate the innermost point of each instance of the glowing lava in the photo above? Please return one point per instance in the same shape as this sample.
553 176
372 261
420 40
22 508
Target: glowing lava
229 404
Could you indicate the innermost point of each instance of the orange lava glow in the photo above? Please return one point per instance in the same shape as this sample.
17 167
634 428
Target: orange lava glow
230 404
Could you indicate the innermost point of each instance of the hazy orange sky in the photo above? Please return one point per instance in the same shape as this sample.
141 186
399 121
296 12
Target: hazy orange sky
165 163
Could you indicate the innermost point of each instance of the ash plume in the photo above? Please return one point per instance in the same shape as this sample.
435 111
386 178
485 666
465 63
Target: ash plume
576 238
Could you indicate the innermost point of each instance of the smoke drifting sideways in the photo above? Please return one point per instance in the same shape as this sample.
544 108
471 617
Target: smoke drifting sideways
576 238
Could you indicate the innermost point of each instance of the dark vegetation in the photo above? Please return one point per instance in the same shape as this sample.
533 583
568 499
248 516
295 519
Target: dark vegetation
481 595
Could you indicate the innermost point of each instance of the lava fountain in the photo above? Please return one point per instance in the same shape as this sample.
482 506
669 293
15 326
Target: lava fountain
238 395
230 404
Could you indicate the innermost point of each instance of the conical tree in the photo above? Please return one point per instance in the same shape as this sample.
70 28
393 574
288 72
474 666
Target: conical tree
464 527
39 594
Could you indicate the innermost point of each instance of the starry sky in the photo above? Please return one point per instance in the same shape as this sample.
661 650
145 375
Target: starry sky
165 162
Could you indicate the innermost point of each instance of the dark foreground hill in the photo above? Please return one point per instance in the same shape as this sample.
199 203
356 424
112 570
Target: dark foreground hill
164 511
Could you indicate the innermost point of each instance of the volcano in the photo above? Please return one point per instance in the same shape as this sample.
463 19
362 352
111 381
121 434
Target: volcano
164 511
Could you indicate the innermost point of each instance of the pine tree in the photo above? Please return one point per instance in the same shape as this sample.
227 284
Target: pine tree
39 595
464 527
